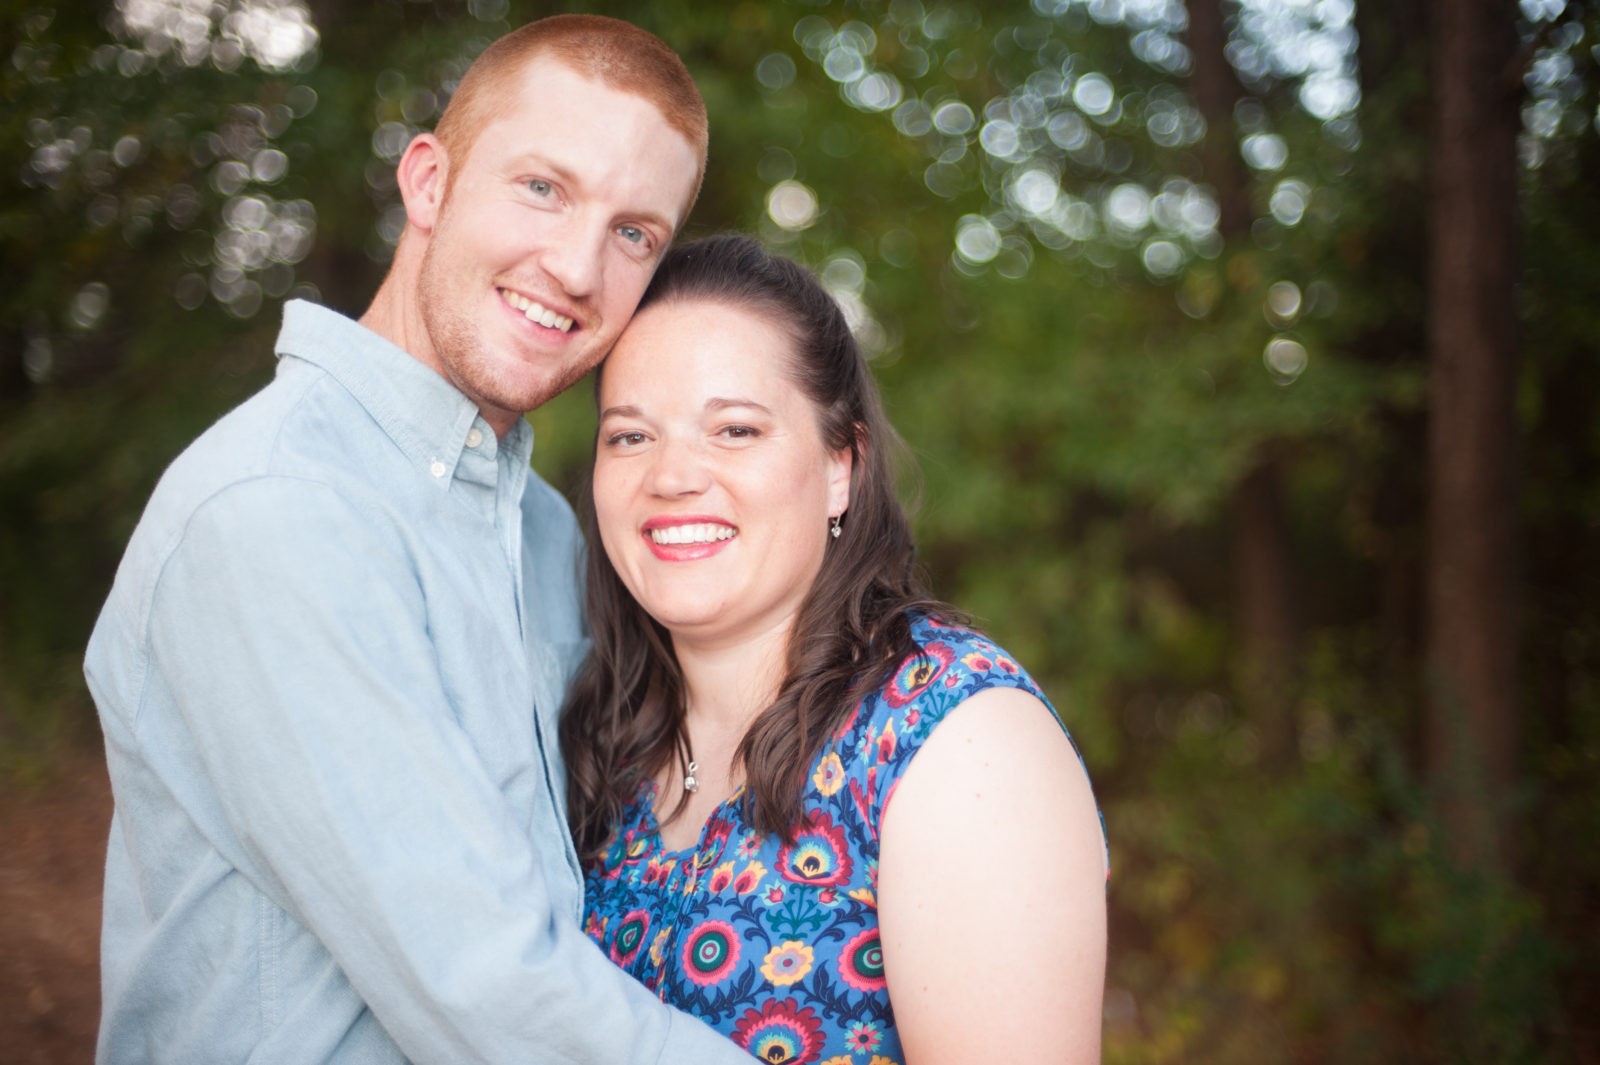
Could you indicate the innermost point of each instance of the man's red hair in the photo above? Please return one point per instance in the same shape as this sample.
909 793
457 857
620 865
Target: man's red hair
617 54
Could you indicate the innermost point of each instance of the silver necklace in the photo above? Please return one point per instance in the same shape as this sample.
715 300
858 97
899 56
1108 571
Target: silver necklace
690 766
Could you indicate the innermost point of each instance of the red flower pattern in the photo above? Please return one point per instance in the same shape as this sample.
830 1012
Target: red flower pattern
780 1033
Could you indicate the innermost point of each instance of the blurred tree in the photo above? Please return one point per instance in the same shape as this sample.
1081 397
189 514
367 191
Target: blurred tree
1264 613
1471 608
1146 285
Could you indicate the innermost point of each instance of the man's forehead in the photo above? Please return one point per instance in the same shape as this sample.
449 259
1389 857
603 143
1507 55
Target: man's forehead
561 121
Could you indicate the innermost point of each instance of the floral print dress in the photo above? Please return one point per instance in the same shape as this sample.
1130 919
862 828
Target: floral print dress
777 945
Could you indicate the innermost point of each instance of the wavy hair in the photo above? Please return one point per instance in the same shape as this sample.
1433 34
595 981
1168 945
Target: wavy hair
624 717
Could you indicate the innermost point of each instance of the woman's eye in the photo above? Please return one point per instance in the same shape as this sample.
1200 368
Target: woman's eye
740 432
626 438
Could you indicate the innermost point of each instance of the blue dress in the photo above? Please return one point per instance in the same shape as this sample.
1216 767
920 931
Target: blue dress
777 945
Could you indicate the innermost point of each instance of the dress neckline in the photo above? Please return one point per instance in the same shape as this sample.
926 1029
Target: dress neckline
724 811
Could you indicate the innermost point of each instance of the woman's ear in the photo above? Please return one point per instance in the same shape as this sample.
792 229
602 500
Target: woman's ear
842 469
423 176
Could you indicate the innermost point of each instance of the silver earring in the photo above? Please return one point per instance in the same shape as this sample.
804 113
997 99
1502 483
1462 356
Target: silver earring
835 525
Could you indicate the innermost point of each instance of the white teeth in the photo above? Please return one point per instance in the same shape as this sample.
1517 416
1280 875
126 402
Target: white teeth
692 534
537 312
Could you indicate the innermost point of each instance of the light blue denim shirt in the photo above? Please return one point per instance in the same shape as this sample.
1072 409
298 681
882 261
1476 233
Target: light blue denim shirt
329 673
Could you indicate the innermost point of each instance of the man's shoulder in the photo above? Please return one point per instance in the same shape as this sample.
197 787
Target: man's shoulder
299 430
293 427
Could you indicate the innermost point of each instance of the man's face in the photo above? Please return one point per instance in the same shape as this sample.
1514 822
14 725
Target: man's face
547 233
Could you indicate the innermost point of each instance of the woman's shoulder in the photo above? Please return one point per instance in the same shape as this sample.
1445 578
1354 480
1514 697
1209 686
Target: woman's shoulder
951 663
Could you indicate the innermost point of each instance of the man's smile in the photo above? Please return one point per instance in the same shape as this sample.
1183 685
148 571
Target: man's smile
535 311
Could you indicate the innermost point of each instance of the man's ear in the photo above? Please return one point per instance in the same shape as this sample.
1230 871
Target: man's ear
422 175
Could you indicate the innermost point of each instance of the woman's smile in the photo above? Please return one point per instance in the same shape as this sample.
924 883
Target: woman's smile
687 539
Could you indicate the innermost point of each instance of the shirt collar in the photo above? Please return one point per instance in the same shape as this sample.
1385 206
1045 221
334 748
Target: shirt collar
423 413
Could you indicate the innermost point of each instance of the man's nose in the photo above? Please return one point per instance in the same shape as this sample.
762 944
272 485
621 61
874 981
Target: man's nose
575 259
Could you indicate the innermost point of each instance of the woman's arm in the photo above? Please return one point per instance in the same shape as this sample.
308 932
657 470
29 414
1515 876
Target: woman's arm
991 891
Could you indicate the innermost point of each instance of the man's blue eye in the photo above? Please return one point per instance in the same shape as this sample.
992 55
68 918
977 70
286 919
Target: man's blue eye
540 188
632 234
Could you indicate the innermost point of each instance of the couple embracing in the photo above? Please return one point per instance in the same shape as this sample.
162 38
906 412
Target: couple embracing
404 773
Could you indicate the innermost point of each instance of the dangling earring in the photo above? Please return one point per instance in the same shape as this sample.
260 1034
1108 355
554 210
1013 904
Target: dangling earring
834 522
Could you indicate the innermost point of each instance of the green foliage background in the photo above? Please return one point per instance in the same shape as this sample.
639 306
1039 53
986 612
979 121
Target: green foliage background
1080 420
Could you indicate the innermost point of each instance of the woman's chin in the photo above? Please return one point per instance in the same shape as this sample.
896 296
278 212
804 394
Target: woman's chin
689 619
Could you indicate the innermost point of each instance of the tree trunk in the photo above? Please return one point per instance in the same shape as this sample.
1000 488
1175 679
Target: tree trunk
1261 573
1216 90
1265 628
1385 242
1470 731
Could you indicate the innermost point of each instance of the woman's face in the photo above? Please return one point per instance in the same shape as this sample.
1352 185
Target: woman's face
711 483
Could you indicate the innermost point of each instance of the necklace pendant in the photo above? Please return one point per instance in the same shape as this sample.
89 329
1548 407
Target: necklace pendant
689 782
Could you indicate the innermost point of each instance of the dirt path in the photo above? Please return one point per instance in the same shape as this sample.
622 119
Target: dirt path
52 852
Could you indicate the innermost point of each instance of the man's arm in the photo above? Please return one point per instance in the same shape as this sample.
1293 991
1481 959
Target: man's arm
294 637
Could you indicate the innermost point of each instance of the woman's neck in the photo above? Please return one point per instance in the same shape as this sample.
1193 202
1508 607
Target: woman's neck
727 684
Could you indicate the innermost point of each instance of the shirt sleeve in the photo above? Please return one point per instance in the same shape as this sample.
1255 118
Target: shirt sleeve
293 635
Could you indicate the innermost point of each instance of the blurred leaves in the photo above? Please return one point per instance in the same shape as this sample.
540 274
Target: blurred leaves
1011 205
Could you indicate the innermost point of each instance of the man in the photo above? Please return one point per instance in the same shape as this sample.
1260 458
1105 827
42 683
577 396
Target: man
330 667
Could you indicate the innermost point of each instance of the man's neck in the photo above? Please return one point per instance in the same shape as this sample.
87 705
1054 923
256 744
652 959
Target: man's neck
395 314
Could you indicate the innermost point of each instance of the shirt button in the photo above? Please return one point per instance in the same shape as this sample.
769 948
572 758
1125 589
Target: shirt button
474 437
436 468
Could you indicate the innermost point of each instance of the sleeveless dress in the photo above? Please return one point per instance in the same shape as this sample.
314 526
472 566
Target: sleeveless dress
777 946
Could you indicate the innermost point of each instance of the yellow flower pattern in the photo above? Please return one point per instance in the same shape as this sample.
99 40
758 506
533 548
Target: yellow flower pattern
829 777
787 963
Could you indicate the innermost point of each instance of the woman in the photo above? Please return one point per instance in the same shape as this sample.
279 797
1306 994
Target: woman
804 790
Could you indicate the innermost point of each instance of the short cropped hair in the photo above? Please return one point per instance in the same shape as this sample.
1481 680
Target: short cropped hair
618 54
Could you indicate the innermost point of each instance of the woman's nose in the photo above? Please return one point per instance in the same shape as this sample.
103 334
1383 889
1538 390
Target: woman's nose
678 469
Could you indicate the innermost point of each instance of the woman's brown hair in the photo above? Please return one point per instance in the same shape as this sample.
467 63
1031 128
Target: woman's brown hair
624 717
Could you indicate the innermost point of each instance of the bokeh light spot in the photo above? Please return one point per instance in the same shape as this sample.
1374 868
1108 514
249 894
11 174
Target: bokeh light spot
1283 302
954 118
977 240
1286 359
1093 94
775 71
1265 151
1288 202
89 305
792 205
1162 258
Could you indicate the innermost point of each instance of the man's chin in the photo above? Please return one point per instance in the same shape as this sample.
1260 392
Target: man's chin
528 393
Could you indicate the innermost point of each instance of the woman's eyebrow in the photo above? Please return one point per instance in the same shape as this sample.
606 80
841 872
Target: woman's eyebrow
721 403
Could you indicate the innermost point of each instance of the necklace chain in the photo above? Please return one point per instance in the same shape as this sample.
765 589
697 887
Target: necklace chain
690 766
